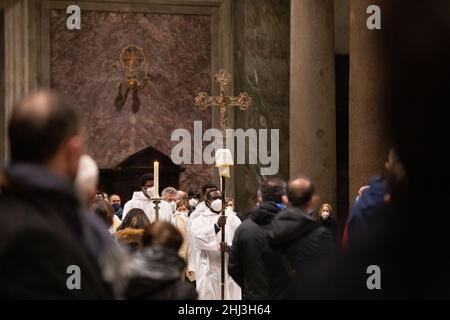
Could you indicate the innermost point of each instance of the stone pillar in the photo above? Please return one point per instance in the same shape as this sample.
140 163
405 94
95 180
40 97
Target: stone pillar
21 58
367 147
313 106
261 64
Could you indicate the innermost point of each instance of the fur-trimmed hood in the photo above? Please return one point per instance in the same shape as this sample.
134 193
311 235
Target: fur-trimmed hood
130 237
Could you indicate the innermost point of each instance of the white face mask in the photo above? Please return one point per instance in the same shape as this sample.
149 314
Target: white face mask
229 210
193 203
216 205
324 214
150 191
173 205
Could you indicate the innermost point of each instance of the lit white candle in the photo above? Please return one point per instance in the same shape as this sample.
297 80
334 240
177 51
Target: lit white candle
156 178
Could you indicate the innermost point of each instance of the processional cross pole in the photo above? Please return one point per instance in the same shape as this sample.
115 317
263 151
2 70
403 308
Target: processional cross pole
224 157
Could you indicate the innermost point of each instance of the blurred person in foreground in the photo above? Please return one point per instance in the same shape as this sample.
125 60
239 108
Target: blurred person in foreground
366 206
156 270
86 180
45 229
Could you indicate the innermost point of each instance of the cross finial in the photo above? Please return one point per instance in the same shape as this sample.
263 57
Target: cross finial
203 101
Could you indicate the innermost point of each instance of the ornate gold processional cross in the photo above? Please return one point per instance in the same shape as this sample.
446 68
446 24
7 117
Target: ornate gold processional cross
203 101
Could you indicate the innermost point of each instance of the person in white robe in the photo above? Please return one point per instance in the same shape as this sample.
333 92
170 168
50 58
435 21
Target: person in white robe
193 254
141 200
206 236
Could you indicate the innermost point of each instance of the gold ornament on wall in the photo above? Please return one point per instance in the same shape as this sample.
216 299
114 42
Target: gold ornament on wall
132 61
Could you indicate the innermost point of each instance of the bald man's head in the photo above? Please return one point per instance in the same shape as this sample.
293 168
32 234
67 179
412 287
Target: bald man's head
300 192
40 124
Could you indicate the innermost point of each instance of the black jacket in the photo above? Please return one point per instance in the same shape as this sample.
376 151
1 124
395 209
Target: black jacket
253 264
43 233
301 238
331 224
156 275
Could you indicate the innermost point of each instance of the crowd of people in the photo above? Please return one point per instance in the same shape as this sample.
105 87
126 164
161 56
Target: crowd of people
284 234
56 217
287 247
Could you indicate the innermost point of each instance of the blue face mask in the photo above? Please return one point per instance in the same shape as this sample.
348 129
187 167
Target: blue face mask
281 206
116 206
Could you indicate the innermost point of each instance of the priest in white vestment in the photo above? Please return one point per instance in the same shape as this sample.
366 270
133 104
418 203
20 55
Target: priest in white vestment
193 254
206 237
141 200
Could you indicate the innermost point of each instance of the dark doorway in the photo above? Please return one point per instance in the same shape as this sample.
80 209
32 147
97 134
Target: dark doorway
124 178
342 136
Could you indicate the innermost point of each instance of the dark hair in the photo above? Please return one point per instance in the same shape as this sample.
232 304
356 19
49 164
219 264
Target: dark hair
299 195
163 234
39 125
211 191
208 186
192 194
273 189
144 178
105 211
135 219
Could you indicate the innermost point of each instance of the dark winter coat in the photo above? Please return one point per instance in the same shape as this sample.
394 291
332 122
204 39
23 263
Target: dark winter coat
364 210
156 275
302 239
331 224
119 213
44 232
254 265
